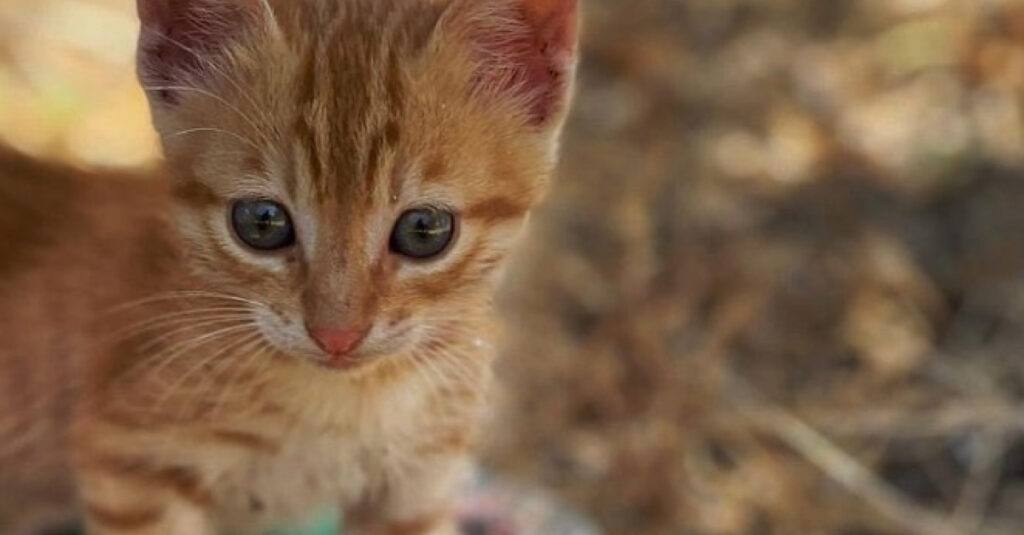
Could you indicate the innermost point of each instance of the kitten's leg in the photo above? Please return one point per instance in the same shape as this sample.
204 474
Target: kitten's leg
119 504
419 502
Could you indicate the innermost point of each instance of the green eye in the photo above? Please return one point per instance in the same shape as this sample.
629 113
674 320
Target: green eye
423 233
262 224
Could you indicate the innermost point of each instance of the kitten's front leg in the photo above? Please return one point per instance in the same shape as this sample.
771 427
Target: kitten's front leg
120 504
420 501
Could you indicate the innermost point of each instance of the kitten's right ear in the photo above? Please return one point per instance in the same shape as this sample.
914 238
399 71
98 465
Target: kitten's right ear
181 39
525 52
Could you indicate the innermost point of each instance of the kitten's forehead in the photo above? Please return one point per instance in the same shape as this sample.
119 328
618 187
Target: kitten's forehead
351 91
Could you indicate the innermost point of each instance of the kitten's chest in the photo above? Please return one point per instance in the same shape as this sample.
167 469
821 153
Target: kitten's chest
307 475
317 468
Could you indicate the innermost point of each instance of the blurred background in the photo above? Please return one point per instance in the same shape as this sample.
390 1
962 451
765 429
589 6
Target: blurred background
779 287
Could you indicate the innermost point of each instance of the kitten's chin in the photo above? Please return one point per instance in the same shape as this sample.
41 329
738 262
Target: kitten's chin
340 362
356 362
318 360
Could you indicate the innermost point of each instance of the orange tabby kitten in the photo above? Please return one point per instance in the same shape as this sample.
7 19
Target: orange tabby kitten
296 317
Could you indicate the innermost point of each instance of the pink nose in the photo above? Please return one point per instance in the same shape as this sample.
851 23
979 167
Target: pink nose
339 342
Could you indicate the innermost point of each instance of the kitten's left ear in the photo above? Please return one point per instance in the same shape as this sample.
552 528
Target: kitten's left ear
525 51
181 39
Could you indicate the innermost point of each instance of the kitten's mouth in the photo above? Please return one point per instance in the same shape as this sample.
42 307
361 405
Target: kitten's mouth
346 362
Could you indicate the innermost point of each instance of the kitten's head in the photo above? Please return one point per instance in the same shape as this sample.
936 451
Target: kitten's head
359 167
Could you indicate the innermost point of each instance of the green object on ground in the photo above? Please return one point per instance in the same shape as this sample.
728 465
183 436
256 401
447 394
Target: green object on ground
326 524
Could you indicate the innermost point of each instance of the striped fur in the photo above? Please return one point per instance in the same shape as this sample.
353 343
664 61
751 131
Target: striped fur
158 378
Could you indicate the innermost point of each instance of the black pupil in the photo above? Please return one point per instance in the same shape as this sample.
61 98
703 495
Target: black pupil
423 233
263 225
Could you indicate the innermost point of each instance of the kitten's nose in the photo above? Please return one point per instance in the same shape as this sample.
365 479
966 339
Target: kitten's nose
339 342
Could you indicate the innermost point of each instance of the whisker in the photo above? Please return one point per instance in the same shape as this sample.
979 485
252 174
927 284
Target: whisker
442 381
147 359
256 352
192 325
457 359
252 124
183 295
210 129
265 361
176 352
164 320
186 403
459 368
216 69
203 362
210 381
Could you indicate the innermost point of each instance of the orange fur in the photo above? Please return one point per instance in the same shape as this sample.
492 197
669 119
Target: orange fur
162 373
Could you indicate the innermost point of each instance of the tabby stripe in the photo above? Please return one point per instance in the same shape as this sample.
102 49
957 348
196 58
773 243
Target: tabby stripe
496 209
181 480
304 124
435 169
446 444
245 440
394 83
123 520
186 484
127 420
196 194
121 466
385 139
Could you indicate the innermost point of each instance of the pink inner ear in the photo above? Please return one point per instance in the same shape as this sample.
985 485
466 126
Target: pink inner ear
180 37
555 20
533 58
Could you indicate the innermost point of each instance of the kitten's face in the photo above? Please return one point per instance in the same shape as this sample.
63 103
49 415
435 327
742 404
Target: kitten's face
361 168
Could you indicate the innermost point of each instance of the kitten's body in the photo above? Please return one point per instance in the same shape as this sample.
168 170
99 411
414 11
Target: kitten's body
270 452
51 284
157 375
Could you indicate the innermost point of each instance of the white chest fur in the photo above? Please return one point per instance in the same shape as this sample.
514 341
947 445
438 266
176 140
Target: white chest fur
342 445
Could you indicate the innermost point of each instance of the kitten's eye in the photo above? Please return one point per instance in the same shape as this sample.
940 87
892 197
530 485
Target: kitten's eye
423 233
263 225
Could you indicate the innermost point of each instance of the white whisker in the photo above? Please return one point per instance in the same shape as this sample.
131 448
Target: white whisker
216 69
186 348
210 129
182 295
164 320
252 124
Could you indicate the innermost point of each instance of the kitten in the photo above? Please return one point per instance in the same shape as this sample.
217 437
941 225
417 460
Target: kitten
295 318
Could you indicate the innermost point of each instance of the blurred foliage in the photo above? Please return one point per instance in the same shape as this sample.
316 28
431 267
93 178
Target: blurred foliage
779 288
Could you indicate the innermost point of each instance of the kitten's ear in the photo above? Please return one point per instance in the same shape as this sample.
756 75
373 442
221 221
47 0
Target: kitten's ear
525 50
181 39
